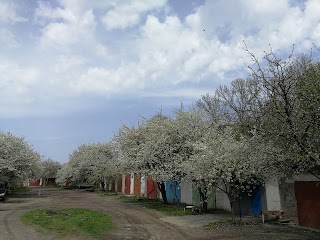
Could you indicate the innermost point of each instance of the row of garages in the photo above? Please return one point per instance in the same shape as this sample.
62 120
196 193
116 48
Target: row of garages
298 197
185 192
301 201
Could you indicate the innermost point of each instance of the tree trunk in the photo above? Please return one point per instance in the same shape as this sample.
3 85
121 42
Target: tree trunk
162 189
203 200
103 187
45 182
232 212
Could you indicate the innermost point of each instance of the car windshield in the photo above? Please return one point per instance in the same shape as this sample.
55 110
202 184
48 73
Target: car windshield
2 185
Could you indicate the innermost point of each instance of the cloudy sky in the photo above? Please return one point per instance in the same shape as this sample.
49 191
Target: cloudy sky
73 71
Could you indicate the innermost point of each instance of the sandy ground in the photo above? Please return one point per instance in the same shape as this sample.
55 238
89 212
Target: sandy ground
133 221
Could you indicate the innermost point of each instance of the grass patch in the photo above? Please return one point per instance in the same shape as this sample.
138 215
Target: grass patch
74 222
131 199
107 194
217 224
71 187
226 223
19 189
168 209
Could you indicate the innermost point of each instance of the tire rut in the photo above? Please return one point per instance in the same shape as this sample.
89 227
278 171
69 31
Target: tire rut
8 232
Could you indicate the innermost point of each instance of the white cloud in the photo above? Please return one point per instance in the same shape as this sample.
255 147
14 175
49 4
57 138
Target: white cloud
161 54
64 27
8 13
127 13
260 23
8 39
65 63
102 80
181 93
160 50
16 82
101 50
171 51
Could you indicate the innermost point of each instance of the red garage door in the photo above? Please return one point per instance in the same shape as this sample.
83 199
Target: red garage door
308 202
35 183
119 183
127 184
152 190
137 185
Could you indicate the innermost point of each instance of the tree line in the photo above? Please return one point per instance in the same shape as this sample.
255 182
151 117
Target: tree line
260 127
264 126
20 162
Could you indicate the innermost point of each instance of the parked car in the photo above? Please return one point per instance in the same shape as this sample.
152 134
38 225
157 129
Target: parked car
3 189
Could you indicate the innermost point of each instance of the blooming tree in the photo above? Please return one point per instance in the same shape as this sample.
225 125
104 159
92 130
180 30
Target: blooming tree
91 164
264 126
18 160
155 148
192 127
280 102
49 169
227 161
290 108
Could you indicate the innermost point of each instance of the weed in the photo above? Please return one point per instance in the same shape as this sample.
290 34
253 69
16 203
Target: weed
74 222
107 194
173 209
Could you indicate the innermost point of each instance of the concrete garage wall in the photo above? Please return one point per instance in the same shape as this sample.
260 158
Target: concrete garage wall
195 197
186 192
132 183
143 187
272 195
123 183
212 199
222 201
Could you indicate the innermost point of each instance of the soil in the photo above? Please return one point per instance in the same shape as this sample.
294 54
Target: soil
133 221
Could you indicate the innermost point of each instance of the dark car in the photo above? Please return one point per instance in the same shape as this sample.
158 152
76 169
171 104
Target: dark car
3 189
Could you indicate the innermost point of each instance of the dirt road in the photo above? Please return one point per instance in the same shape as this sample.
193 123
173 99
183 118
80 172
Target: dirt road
132 221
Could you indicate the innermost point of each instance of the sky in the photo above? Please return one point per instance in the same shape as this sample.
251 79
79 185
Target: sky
73 71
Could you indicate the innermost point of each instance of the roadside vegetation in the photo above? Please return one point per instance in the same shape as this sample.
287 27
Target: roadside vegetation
19 189
20 162
107 194
218 224
173 209
70 222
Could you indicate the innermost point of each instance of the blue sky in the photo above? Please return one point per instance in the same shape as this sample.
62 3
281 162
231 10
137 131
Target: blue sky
73 71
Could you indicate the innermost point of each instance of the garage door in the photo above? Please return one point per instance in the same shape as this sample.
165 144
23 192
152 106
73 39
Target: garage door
308 203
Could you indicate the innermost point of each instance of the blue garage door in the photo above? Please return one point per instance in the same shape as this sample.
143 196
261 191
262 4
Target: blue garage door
173 191
256 205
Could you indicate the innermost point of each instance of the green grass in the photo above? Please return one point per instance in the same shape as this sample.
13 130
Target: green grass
223 223
218 224
19 189
73 222
168 209
107 194
68 187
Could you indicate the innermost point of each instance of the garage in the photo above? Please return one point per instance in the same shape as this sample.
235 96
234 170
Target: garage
308 202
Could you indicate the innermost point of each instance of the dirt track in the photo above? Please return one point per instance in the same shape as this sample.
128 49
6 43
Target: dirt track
133 222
